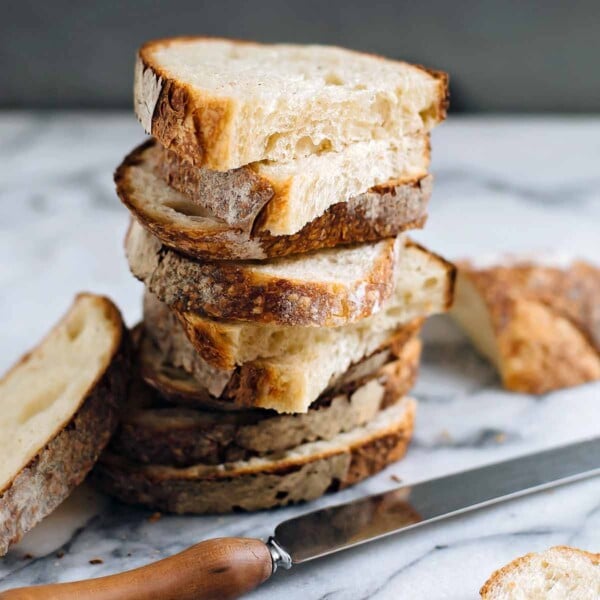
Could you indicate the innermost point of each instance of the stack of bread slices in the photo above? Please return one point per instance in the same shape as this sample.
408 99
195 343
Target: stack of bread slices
283 302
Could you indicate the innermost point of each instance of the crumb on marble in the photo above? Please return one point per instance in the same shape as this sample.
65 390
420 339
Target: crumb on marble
500 437
27 556
96 561
60 554
396 478
155 517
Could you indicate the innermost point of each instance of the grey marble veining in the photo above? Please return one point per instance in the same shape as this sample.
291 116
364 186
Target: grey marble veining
505 185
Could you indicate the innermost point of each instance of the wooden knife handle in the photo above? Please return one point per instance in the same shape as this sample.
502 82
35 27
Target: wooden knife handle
216 569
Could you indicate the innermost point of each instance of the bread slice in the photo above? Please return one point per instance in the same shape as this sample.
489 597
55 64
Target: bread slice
154 431
290 195
59 407
225 103
559 573
539 325
203 231
181 388
299 474
324 288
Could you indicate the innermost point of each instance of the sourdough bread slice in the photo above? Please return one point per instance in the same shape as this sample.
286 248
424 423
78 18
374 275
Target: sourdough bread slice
559 573
299 474
290 195
59 408
225 103
539 325
324 288
196 229
154 431
181 388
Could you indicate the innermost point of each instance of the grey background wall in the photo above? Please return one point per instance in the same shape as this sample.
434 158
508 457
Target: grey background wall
502 56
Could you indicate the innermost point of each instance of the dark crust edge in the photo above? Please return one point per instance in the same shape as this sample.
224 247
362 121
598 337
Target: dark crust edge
188 286
66 459
133 486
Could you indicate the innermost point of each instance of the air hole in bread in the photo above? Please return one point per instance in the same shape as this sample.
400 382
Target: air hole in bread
38 404
74 328
428 115
333 79
189 209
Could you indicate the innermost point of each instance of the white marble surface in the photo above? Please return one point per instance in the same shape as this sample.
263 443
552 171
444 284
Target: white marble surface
502 185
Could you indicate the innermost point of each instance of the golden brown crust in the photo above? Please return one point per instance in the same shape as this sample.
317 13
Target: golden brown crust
240 291
496 579
380 213
259 485
68 457
546 322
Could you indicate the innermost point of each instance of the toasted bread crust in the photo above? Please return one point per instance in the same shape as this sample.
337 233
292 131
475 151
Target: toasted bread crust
382 212
546 321
496 579
68 457
198 126
261 486
230 290
154 432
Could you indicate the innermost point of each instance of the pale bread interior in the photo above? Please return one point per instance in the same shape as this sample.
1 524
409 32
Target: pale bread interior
310 185
287 101
472 313
346 266
560 573
41 393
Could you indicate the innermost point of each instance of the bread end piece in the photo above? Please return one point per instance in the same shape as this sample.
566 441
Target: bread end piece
560 572
538 325
61 420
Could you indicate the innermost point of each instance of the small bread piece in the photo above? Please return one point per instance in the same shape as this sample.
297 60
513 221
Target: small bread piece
299 474
194 229
539 325
325 288
59 407
225 103
559 573
290 195
154 431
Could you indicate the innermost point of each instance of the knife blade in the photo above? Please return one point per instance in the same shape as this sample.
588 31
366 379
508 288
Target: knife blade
229 567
